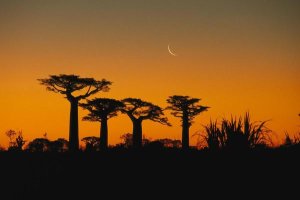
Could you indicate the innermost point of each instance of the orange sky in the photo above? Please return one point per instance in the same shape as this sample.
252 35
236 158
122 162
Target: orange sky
237 56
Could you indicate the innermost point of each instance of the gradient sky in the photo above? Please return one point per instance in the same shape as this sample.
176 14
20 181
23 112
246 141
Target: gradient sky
235 55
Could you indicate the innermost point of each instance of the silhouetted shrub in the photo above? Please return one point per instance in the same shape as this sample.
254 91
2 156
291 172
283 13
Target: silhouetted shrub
291 141
91 143
60 145
166 143
38 145
16 140
237 134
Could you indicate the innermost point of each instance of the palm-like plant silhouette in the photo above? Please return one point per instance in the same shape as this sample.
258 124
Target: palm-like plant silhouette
237 133
187 109
138 111
101 110
67 85
214 137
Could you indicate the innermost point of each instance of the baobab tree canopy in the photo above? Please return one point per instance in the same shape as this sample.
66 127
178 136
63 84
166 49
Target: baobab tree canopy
100 108
141 110
186 108
138 111
67 84
185 105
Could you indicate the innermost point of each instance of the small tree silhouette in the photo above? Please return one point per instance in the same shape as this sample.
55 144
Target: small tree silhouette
60 145
187 109
91 143
126 140
16 140
38 145
11 134
101 110
67 85
138 111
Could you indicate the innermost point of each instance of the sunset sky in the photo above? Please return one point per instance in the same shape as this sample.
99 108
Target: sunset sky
235 55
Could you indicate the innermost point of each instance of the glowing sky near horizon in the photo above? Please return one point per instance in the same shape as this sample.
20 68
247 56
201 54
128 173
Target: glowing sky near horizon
235 55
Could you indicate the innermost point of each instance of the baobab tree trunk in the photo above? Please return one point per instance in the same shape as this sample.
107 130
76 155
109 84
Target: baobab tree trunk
103 134
73 130
185 131
137 134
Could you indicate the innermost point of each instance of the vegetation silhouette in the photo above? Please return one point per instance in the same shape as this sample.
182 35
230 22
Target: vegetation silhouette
187 109
60 145
127 141
101 110
45 170
237 134
138 111
291 142
16 140
38 145
92 143
67 85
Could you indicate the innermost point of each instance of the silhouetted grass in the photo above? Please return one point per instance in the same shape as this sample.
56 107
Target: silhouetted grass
237 133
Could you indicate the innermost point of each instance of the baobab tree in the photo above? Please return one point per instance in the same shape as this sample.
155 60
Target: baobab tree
101 110
67 85
138 111
187 109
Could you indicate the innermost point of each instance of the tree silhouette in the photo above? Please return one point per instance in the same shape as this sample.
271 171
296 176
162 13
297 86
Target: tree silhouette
101 110
187 109
91 143
138 111
38 145
67 85
126 140
60 145
16 140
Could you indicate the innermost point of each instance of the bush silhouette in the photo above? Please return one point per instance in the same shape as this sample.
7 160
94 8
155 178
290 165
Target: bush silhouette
237 134
91 143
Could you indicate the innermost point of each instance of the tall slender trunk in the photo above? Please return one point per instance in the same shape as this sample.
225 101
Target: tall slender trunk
185 131
104 134
73 130
137 134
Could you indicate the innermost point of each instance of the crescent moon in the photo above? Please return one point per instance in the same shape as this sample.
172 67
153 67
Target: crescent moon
173 54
